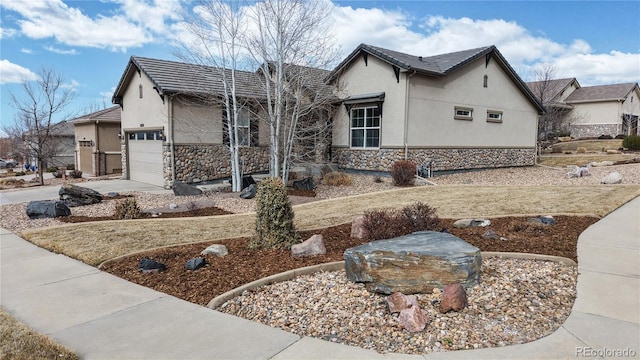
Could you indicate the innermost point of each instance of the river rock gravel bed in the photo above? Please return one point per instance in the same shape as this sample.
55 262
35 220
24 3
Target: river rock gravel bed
517 301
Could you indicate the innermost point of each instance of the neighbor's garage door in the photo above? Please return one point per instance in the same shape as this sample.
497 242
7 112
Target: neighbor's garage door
145 157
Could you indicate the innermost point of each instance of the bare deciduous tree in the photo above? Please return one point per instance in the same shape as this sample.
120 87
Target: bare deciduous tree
290 40
216 30
43 105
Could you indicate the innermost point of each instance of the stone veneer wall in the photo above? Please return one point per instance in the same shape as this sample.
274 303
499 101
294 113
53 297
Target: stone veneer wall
196 163
443 159
123 151
590 131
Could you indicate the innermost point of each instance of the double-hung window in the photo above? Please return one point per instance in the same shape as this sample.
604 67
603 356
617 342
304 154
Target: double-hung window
365 127
243 127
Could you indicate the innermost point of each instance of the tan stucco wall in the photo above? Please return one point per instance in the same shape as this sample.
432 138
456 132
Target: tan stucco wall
432 103
108 136
608 112
149 111
431 107
193 123
84 132
377 76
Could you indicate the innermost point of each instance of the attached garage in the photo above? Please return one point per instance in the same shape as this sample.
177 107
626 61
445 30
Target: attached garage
145 157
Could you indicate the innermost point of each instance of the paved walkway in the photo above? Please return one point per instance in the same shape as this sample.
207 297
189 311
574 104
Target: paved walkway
104 317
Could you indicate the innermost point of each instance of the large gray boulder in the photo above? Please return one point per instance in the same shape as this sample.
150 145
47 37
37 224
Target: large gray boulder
74 195
184 189
47 209
415 263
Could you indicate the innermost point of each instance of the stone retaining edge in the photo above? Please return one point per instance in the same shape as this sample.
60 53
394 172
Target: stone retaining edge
339 265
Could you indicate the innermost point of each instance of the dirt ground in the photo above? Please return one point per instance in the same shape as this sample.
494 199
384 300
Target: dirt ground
242 265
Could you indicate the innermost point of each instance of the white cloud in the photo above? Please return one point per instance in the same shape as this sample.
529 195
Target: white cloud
13 73
26 51
133 25
523 49
7 33
71 85
60 51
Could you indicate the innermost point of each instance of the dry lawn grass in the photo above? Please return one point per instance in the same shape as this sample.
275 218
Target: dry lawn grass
582 159
19 342
589 145
94 243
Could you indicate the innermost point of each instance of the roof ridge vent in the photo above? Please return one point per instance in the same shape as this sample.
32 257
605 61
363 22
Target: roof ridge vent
420 58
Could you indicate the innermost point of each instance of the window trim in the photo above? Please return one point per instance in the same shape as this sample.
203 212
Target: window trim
494 120
463 117
365 128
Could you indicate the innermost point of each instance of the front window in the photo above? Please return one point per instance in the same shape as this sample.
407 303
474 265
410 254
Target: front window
243 127
365 127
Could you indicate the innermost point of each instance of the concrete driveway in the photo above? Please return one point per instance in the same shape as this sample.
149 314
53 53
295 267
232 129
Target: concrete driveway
102 186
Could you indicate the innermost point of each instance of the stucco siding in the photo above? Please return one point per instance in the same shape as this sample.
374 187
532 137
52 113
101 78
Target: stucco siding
196 124
150 111
375 76
597 113
432 103
108 137
631 105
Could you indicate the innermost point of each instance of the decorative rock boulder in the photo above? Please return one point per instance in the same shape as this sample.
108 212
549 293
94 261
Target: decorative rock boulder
545 220
453 298
74 195
398 301
612 178
247 180
215 249
465 223
415 263
413 319
195 264
249 192
310 247
183 189
357 227
149 265
305 184
47 209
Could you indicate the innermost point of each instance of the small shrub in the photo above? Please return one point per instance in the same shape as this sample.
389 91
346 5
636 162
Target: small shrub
581 150
631 142
19 173
620 136
336 179
377 179
605 137
568 152
386 224
71 167
52 169
58 174
403 173
274 217
127 209
76 174
556 150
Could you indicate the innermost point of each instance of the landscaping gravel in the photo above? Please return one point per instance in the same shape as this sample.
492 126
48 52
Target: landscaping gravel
13 216
517 301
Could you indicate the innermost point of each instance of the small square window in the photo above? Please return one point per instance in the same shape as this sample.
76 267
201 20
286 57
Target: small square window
463 113
494 116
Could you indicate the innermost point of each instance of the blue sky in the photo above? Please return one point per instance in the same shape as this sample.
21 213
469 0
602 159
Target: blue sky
90 41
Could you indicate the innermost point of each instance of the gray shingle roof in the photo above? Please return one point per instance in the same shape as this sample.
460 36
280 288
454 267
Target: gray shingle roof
172 77
111 114
601 93
552 88
63 128
437 65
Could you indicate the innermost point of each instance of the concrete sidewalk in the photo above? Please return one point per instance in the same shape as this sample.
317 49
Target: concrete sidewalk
104 317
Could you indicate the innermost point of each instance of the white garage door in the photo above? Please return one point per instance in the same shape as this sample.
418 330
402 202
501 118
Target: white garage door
145 157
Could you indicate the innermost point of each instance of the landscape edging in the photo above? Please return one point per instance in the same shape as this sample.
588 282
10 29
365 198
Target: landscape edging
339 265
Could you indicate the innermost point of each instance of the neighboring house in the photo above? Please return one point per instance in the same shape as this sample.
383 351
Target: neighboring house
605 110
462 110
174 124
558 115
60 146
590 111
98 151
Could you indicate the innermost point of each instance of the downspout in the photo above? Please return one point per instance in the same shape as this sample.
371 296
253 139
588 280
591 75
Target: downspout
406 115
96 170
171 147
